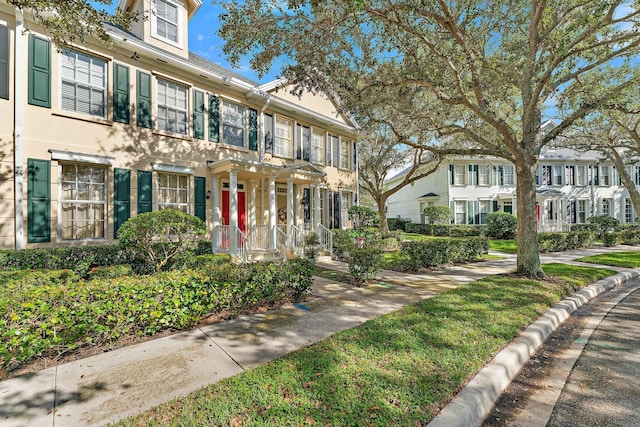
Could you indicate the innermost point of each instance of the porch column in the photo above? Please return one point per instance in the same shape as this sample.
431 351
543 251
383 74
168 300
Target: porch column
272 212
289 210
297 205
251 226
312 206
233 211
316 208
215 215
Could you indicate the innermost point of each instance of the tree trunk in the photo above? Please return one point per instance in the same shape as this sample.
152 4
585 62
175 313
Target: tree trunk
627 180
527 230
381 202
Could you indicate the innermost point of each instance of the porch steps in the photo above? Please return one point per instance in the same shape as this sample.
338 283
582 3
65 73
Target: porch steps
256 255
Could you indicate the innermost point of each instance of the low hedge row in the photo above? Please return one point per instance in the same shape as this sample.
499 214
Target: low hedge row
627 236
49 313
557 242
440 230
436 252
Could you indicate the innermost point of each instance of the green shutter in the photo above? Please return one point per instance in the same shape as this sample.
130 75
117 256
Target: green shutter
144 192
121 198
495 206
4 62
39 72
253 129
198 114
121 108
38 200
453 211
214 118
143 101
200 199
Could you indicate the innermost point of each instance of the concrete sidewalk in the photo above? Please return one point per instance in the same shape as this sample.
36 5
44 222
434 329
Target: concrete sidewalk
113 385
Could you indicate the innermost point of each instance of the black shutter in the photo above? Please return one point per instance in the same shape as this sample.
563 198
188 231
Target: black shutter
268 133
306 204
298 141
337 210
329 209
306 143
495 206
451 179
253 129
214 118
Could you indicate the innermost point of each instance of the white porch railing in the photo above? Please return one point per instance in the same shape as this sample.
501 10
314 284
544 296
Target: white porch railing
242 251
325 236
223 233
224 240
556 225
281 242
296 237
259 236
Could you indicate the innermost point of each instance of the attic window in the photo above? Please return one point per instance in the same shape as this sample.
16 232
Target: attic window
166 20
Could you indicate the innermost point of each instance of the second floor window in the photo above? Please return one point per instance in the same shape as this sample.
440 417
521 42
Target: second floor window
284 137
172 107
166 17
458 175
483 175
344 154
581 175
233 124
84 82
605 176
317 147
570 178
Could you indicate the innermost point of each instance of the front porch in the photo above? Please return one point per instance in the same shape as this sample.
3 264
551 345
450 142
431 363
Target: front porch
263 211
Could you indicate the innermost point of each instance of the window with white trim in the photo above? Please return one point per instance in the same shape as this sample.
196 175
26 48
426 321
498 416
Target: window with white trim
546 175
460 208
344 154
284 137
317 146
606 207
581 175
84 83
345 205
458 174
509 176
173 191
570 175
483 175
582 211
605 176
83 201
628 210
558 174
485 208
233 124
166 20
172 107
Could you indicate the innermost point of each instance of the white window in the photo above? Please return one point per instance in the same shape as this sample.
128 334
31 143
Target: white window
606 207
460 207
628 210
345 205
509 175
173 191
570 178
458 174
83 202
166 20
172 107
557 174
344 154
317 147
605 177
472 176
581 175
483 175
582 211
485 208
84 82
546 175
233 124
284 135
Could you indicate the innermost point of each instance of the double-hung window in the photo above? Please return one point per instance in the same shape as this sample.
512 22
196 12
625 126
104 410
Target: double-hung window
83 201
606 206
460 208
570 175
485 206
344 154
472 176
581 175
483 175
317 147
233 124
458 174
558 172
173 191
84 83
605 176
628 210
172 107
582 211
509 175
284 137
166 20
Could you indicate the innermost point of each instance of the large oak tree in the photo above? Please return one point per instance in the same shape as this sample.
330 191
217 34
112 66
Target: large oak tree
483 74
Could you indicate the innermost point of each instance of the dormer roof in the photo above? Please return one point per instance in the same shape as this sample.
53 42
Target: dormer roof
192 6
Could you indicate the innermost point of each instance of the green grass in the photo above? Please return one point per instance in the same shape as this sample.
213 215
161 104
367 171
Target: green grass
505 246
395 370
629 259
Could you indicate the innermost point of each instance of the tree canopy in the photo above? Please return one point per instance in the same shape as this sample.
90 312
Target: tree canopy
480 76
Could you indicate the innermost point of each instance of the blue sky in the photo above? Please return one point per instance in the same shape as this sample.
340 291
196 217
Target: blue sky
204 40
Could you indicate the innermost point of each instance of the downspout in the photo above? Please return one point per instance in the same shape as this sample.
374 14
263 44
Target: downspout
18 119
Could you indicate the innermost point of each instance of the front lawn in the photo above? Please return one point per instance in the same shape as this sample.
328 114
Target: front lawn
629 259
504 246
395 370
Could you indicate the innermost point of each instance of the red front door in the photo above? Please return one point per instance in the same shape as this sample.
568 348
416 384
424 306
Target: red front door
242 212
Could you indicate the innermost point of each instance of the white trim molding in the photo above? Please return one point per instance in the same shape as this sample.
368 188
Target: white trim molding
163 167
70 156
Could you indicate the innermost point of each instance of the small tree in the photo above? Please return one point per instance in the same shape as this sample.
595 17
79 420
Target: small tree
162 238
603 223
501 225
362 216
438 214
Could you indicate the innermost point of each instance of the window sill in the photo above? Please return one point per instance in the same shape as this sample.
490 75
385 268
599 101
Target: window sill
279 156
234 147
83 117
172 135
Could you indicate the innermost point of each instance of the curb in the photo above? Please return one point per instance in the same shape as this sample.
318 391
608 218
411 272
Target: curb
474 402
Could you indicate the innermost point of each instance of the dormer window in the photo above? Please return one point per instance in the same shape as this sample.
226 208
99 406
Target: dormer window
166 20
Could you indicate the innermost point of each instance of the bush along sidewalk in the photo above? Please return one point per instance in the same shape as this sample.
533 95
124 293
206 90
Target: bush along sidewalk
440 251
52 313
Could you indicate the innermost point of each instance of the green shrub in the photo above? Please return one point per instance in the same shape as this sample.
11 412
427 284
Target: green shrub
501 225
362 216
611 239
364 263
603 224
398 224
584 227
439 251
110 272
161 239
438 215
72 257
552 242
630 235
203 261
418 228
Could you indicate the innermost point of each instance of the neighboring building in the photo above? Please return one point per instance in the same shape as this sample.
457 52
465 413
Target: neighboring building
571 187
94 135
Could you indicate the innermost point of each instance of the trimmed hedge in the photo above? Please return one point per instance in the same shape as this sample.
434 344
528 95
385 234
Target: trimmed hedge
49 313
557 242
630 235
437 252
611 239
397 224
450 230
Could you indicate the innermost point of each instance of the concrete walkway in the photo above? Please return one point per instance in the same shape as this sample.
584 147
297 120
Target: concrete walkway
113 385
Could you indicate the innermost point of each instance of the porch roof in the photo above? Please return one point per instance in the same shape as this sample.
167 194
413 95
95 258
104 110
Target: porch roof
302 173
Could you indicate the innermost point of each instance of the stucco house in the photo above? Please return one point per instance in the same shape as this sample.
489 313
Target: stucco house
571 187
92 134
